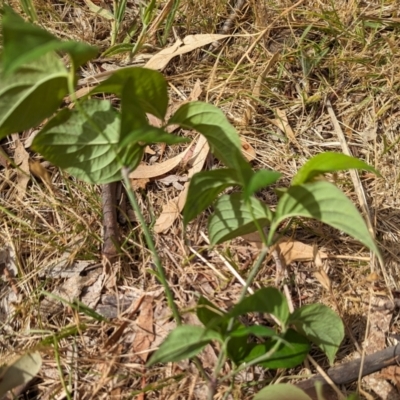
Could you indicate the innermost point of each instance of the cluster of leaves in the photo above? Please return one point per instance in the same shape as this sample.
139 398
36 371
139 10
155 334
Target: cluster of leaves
94 141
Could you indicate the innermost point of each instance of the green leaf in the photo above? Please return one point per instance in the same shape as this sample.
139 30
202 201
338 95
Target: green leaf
204 188
281 391
145 91
222 137
325 202
288 355
24 43
256 330
232 218
321 325
117 49
150 134
31 94
185 341
267 300
19 372
210 315
328 162
86 149
260 180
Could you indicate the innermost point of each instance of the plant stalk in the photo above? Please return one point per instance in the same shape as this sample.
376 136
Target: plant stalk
150 243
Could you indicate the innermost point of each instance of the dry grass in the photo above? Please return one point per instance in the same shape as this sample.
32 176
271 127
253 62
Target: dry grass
346 52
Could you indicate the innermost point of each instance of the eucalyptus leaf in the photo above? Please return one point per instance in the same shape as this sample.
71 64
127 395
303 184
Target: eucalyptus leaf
31 94
232 217
325 202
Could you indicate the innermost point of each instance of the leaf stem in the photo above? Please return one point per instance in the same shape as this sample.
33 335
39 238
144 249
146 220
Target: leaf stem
150 243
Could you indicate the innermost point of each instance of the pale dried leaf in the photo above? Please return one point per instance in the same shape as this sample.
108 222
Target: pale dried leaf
137 184
171 179
151 171
144 336
21 159
283 124
191 42
39 171
172 209
247 149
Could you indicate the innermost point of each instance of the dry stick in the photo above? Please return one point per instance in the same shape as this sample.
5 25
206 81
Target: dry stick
348 372
227 27
356 182
260 36
110 226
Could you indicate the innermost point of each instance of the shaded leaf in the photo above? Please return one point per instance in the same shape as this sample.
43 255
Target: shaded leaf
281 391
24 43
328 162
325 202
222 137
19 372
86 149
260 180
321 325
22 93
184 341
232 217
204 188
267 300
288 355
145 91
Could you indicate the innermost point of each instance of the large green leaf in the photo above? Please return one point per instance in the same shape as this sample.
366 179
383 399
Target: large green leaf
267 300
232 217
281 391
25 43
31 94
328 162
321 325
224 141
86 148
141 90
204 188
184 341
325 202
290 353
211 316
19 372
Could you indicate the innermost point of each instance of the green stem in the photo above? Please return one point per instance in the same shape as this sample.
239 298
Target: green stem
150 243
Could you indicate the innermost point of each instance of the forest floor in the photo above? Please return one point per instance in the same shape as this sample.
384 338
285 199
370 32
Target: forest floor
295 79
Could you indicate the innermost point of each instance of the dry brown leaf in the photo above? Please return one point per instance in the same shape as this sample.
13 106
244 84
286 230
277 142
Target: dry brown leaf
191 42
172 209
290 250
144 336
247 150
152 171
139 183
21 159
283 124
39 171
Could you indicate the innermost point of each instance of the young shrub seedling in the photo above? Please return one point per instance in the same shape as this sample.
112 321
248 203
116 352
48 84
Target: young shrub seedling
99 144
